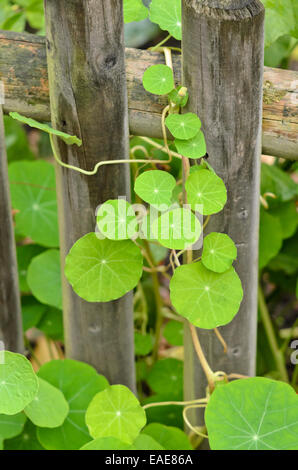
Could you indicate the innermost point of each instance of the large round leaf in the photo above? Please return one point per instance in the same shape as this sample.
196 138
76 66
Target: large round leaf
177 229
117 220
103 270
79 383
253 414
193 148
49 408
115 412
169 437
11 425
158 79
33 194
155 187
205 298
206 192
18 383
44 278
183 126
167 14
219 252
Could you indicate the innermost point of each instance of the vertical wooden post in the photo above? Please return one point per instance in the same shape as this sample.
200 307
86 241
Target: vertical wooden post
223 70
85 52
11 331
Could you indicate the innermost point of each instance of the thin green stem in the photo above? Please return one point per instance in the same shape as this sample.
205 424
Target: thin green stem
161 43
176 403
270 333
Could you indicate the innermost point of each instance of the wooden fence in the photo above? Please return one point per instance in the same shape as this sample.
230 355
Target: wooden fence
80 68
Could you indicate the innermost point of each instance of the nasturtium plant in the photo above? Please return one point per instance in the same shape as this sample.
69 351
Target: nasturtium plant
115 412
177 229
206 192
167 14
117 220
166 377
155 187
169 437
107 443
44 278
207 299
27 440
174 333
11 425
79 383
18 383
193 148
134 10
179 96
25 253
253 414
183 126
143 344
32 311
103 270
270 239
158 79
219 252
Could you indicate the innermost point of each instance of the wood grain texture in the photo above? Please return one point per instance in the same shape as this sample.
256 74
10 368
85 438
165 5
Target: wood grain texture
85 51
223 69
11 330
23 69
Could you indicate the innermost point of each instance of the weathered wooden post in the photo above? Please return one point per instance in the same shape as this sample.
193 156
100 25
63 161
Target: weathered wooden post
85 52
11 331
223 70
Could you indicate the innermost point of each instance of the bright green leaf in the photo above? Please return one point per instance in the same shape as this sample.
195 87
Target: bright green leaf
183 126
103 270
107 443
167 14
205 298
206 192
174 333
169 437
155 187
146 442
279 19
166 376
253 414
288 217
11 425
193 148
116 220
158 79
44 278
48 408
134 10
219 252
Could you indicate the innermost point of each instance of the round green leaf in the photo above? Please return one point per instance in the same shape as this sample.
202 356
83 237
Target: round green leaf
116 220
51 323
183 126
18 383
107 443
103 270
25 441
146 442
166 376
169 437
134 10
33 194
44 278
158 79
206 192
155 187
32 311
11 425
174 333
253 414
177 229
25 253
115 412
193 148
79 383
143 344
49 408
167 14
205 298
219 252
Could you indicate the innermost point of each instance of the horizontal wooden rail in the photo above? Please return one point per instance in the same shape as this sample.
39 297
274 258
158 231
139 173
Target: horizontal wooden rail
23 69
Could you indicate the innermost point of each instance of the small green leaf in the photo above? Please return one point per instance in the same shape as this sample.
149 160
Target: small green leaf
253 414
169 437
79 383
116 220
11 425
155 187
115 412
25 253
183 126
107 443
68 139
143 344
33 195
179 96
166 376
48 408
134 10
18 383
270 238
44 278
174 333
158 79
146 442
25 441
167 14
193 148
51 323
32 311
103 270
205 298
219 252
206 192
177 229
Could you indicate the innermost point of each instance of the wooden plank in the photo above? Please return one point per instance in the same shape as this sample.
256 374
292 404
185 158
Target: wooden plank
24 72
223 70
85 53
11 331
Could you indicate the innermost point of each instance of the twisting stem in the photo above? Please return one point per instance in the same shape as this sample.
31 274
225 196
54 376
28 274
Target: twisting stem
176 403
204 363
224 344
194 429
